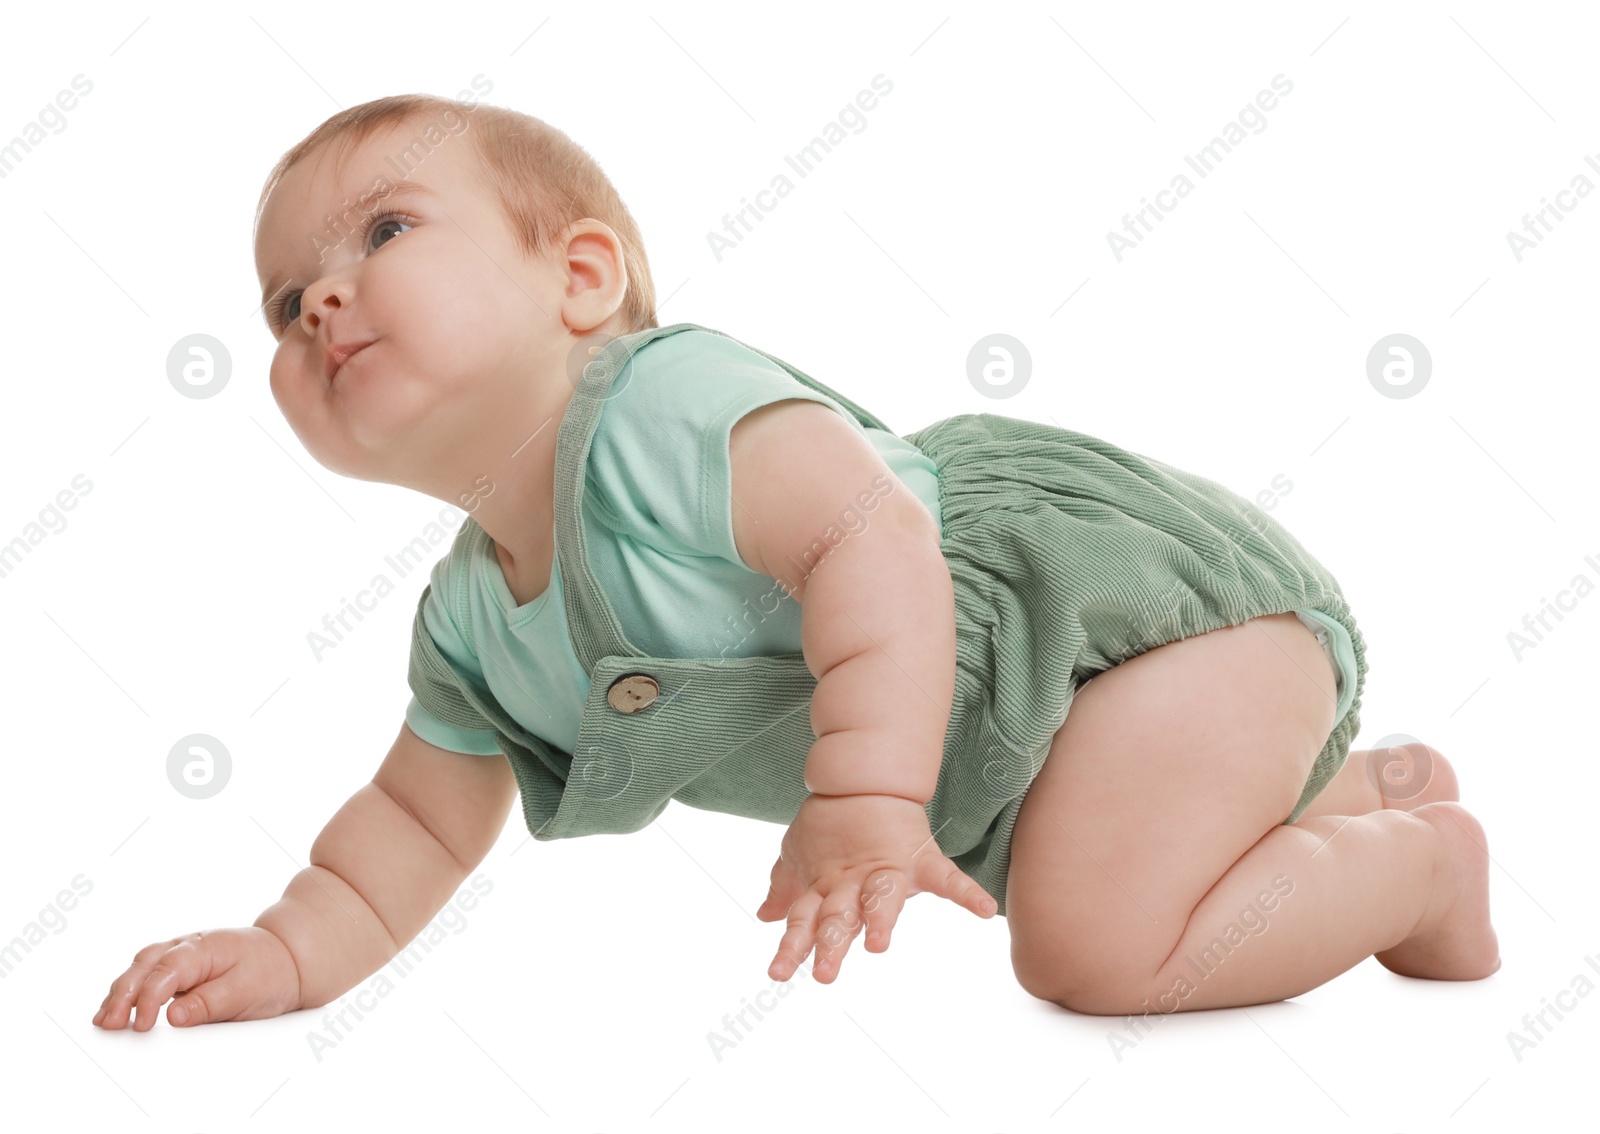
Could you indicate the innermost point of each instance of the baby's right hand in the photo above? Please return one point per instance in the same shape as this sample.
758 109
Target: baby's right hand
221 974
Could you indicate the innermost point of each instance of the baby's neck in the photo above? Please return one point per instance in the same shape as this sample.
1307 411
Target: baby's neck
514 501
505 480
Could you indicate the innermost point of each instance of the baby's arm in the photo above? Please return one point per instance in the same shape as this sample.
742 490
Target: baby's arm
816 508
878 608
384 865
387 862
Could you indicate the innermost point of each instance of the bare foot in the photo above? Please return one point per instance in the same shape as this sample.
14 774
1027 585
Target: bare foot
1407 784
1458 943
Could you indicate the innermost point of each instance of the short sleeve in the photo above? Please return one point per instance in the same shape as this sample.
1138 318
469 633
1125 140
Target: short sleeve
659 469
449 737
446 584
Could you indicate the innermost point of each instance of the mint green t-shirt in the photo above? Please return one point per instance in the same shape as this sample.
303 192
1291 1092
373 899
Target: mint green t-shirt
658 520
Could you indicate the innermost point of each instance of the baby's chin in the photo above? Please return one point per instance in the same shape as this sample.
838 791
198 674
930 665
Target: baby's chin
380 418
364 426
382 464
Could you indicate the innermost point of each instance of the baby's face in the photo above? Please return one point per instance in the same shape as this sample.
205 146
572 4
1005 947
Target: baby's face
464 327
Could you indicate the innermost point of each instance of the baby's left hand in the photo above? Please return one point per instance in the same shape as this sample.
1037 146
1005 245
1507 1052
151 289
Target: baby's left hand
846 856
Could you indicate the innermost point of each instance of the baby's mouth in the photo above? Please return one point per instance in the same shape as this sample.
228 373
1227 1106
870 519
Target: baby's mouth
341 353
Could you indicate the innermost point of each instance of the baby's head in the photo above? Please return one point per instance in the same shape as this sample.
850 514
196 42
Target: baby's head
510 246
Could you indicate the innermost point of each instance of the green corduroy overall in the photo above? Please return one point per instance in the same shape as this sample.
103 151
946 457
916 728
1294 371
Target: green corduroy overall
1068 555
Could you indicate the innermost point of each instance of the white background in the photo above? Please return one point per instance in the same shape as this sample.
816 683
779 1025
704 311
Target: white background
1233 342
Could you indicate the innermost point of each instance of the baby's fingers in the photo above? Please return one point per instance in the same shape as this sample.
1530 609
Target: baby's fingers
785 888
118 1004
796 942
881 902
838 922
185 966
946 879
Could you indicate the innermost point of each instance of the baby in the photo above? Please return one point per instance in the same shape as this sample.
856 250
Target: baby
690 571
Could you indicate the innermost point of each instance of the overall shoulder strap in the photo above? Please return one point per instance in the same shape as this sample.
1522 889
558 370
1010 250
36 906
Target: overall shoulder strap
592 623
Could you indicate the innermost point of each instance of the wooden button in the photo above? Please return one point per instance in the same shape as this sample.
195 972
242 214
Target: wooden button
633 692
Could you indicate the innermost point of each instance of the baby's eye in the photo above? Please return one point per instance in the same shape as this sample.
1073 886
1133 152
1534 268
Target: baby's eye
288 309
380 226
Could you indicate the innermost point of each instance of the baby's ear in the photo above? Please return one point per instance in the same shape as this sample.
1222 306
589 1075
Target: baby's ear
597 275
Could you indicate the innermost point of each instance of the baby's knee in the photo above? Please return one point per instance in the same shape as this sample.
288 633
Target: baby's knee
1099 982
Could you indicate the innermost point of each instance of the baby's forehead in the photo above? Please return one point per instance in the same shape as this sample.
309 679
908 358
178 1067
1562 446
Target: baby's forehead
388 163
343 181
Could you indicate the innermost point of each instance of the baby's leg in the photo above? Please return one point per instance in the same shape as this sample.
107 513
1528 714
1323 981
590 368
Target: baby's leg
1150 867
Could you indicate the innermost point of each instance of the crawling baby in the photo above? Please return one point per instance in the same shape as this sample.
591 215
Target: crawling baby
1008 664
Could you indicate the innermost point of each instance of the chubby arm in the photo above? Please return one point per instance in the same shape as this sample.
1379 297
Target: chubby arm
816 508
381 868
388 861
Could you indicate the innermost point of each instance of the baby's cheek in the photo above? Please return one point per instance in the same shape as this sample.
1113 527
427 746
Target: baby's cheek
275 378
289 379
